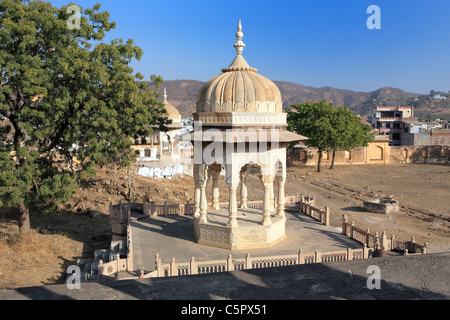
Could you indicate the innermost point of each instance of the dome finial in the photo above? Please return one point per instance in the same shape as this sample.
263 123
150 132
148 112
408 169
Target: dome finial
165 94
239 45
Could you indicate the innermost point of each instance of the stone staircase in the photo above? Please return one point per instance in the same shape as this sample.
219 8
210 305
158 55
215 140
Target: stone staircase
89 266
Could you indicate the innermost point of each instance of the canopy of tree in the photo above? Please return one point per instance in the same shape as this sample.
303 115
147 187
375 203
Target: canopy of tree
328 128
70 101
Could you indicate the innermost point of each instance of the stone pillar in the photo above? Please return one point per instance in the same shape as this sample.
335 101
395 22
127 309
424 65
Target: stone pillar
214 171
281 199
196 192
203 180
267 181
232 206
272 200
203 203
215 194
243 182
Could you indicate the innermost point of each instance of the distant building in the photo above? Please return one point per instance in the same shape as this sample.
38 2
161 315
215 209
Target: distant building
162 145
392 121
439 97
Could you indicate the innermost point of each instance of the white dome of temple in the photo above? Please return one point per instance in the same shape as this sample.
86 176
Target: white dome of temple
239 88
172 112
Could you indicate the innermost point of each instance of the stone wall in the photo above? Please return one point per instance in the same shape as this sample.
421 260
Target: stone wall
419 154
425 139
375 153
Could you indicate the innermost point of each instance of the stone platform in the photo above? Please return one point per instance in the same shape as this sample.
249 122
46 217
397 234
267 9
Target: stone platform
173 237
248 234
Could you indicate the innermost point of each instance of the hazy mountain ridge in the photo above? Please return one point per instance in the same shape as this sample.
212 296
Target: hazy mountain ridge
182 94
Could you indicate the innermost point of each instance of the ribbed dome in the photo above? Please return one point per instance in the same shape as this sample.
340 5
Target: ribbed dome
239 88
172 112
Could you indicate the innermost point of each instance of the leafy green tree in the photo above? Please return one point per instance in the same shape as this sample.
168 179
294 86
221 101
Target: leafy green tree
328 128
313 121
71 102
349 132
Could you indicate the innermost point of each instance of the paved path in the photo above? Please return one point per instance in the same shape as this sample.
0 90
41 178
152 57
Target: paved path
171 237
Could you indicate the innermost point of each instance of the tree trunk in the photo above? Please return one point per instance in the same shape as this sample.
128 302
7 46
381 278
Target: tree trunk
24 218
130 190
332 159
320 160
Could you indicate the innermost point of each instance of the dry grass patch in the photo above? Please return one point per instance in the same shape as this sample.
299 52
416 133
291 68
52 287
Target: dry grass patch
55 242
34 259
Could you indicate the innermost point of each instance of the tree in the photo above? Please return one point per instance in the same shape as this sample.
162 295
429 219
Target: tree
313 121
66 101
349 132
328 128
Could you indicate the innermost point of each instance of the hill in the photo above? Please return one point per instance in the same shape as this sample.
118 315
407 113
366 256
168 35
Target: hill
183 95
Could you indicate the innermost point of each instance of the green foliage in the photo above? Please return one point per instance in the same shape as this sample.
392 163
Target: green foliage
66 95
312 120
348 131
328 128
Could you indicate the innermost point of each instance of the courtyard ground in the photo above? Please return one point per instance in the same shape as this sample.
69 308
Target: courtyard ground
82 225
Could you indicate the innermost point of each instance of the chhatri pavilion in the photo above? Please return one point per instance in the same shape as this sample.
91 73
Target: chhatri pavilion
239 125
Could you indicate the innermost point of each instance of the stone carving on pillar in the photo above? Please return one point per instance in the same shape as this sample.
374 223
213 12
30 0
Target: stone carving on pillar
243 182
267 181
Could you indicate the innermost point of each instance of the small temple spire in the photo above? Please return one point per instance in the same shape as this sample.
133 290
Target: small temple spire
239 45
239 63
165 94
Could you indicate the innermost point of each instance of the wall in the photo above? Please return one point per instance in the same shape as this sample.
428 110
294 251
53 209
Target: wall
420 139
375 153
420 154
442 139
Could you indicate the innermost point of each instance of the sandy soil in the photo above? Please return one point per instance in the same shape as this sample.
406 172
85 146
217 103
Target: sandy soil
423 192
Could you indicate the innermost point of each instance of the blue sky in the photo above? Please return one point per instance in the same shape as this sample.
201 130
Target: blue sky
314 43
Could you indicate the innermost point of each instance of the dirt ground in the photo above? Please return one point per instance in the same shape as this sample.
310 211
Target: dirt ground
82 225
423 192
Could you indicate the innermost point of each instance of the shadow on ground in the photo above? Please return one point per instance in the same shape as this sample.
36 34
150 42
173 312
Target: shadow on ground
422 277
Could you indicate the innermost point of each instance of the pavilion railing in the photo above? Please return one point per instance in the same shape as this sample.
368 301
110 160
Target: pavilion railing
383 243
153 210
194 267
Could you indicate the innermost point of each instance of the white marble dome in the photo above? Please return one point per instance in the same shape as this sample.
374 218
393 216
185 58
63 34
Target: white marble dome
239 88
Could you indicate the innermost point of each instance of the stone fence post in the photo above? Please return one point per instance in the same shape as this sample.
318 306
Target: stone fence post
317 257
230 265
145 208
158 266
153 211
118 262
248 263
193 266
349 254
365 252
187 208
327 216
165 209
172 271
300 257
384 241
344 224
